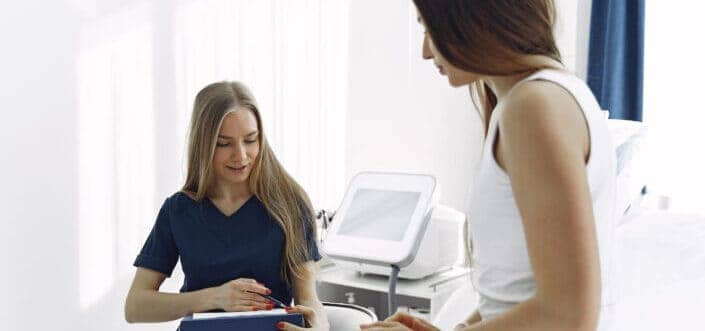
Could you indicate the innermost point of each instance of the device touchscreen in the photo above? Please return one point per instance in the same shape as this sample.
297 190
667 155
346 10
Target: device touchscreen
379 214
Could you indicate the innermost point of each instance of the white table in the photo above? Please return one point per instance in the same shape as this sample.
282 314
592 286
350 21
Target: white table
428 294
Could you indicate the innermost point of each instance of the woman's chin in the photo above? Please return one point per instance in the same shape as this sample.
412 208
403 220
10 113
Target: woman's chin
455 83
238 179
234 179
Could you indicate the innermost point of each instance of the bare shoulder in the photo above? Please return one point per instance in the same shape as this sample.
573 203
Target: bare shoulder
543 109
537 102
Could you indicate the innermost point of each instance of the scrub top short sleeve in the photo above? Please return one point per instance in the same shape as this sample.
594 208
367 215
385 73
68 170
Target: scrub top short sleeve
160 252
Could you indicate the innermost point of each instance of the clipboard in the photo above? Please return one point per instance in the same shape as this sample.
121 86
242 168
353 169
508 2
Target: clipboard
251 321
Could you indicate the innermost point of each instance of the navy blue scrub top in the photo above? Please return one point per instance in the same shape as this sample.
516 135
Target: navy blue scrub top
215 248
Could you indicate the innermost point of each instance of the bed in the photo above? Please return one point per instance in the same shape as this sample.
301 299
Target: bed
659 276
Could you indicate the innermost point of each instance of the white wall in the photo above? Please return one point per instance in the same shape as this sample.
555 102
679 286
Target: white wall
37 202
402 115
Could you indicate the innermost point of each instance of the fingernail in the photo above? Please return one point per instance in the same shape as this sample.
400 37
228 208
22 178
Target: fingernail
280 325
269 292
255 308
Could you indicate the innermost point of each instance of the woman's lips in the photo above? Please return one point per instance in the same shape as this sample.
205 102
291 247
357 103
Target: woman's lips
237 169
440 69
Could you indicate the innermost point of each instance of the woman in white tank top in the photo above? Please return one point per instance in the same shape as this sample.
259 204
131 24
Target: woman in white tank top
542 206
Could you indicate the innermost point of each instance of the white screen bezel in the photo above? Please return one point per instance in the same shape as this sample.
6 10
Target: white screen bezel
377 251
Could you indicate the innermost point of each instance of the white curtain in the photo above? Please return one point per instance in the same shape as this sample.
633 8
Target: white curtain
138 70
115 146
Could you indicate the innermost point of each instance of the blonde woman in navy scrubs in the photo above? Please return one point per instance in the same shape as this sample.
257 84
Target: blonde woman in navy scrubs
240 225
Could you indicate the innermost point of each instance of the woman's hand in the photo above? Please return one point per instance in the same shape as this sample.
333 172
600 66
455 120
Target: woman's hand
309 317
241 295
400 322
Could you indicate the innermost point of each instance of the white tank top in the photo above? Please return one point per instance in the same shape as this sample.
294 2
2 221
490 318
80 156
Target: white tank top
501 270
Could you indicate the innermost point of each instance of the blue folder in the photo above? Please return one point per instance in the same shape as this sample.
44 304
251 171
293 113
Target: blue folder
246 323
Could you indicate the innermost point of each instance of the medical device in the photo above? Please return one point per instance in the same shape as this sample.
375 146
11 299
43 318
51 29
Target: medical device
390 224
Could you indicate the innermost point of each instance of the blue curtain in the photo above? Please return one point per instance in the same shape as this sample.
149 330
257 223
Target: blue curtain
616 59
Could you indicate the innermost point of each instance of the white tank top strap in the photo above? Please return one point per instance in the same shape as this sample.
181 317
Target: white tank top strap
575 87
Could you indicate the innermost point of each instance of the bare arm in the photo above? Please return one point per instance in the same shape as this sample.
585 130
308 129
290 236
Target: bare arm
543 147
305 295
146 304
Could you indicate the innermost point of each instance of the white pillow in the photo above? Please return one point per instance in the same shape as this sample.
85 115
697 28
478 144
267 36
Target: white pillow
628 138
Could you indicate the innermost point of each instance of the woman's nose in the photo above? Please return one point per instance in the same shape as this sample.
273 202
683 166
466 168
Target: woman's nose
239 153
426 50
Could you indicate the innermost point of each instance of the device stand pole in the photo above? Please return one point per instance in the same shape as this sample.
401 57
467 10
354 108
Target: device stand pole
392 297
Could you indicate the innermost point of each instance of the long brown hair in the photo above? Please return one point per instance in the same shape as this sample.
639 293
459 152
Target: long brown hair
286 202
493 38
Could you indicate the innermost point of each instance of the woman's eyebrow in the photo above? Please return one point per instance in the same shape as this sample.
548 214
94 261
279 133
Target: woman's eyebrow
222 136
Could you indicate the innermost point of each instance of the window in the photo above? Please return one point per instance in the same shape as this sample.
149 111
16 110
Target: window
673 111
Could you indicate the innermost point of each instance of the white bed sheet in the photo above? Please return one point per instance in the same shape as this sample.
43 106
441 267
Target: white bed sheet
659 276
660 272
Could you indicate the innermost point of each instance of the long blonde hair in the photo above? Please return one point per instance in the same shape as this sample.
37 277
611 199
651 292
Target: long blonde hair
283 198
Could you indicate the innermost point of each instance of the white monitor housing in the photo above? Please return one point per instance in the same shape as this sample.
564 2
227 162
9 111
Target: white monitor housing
381 223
